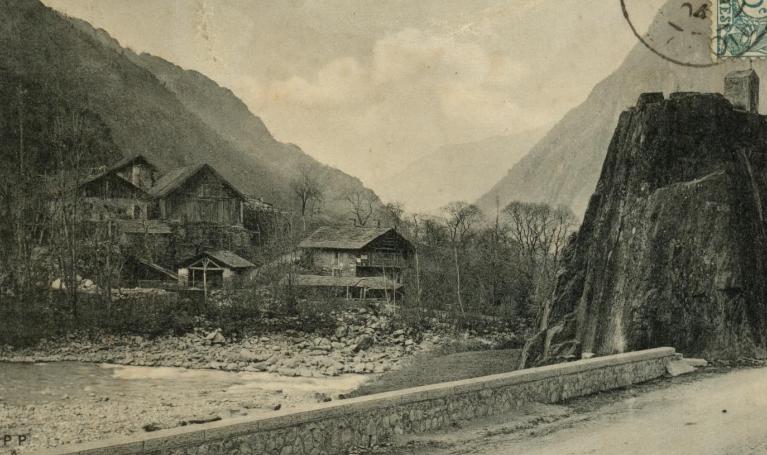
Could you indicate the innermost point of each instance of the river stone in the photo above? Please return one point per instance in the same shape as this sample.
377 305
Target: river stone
363 344
697 363
678 368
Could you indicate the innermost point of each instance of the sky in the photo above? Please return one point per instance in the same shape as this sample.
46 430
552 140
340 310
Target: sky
369 86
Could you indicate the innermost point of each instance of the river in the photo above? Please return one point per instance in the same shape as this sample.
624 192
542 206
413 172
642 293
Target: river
69 402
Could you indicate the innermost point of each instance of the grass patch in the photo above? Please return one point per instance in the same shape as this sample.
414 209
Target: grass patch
430 368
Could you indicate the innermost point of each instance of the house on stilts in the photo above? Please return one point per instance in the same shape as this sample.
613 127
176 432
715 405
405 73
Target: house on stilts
355 262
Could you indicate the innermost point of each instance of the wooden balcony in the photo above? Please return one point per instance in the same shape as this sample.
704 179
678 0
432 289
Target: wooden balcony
382 260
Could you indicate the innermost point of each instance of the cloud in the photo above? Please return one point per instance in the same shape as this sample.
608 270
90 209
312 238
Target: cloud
341 82
401 78
434 68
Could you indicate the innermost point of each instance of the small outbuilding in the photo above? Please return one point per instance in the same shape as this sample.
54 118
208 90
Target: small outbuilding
212 269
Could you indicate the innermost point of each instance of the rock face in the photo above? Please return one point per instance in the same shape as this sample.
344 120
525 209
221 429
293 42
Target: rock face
672 250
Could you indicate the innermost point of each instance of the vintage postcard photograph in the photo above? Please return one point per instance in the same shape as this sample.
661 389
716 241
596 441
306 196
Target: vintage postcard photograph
393 227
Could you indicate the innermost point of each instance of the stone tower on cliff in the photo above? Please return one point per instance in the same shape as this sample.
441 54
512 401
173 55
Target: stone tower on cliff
741 88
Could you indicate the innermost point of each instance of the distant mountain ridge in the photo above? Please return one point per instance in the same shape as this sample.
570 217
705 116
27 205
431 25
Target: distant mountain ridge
457 171
564 166
220 109
172 116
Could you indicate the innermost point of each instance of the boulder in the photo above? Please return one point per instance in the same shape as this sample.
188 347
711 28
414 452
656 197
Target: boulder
678 367
341 331
364 343
697 363
249 356
218 339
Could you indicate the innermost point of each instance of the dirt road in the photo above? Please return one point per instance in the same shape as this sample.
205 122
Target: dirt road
710 414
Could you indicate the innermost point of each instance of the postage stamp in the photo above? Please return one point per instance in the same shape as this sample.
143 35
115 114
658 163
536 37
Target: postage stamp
740 28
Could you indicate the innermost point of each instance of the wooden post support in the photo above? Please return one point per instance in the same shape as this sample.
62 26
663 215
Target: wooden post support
205 281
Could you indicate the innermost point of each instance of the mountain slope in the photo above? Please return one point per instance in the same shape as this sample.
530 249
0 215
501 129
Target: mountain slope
90 71
564 166
457 171
221 110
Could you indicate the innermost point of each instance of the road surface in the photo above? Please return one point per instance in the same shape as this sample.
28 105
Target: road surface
710 414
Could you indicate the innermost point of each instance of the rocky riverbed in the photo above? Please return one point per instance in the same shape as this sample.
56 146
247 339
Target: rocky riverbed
88 387
363 343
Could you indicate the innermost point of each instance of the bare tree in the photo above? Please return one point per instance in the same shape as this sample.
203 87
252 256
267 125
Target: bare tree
416 235
541 232
306 186
361 206
23 211
461 218
393 213
70 150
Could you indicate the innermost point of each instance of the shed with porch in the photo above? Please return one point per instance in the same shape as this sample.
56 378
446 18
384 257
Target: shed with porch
212 269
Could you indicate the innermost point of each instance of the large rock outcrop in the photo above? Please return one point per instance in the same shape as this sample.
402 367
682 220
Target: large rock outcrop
672 250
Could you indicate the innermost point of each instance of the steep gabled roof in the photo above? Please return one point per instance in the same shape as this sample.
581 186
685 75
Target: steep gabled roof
116 167
222 257
175 178
343 238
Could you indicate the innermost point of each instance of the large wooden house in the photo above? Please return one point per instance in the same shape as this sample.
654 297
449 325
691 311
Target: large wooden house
120 191
198 194
356 259
192 194
166 217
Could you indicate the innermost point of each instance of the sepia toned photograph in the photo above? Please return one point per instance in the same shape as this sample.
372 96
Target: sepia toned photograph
392 227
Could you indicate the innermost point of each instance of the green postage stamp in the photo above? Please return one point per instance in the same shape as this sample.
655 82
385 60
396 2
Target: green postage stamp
740 28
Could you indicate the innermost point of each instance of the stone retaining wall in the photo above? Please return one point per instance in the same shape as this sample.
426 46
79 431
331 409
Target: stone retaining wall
335 427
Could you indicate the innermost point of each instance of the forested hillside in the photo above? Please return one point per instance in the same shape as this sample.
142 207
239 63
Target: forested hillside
148 106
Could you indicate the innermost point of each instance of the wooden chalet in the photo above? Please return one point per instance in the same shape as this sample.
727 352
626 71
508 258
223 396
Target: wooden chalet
161 217
213 269
120 191
355 258
198 194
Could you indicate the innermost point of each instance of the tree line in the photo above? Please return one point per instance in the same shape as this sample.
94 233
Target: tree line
466 262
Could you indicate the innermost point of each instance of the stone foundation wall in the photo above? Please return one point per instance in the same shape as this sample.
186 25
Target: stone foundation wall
333 428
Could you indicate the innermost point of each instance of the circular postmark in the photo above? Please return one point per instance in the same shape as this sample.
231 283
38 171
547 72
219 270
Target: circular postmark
680 33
